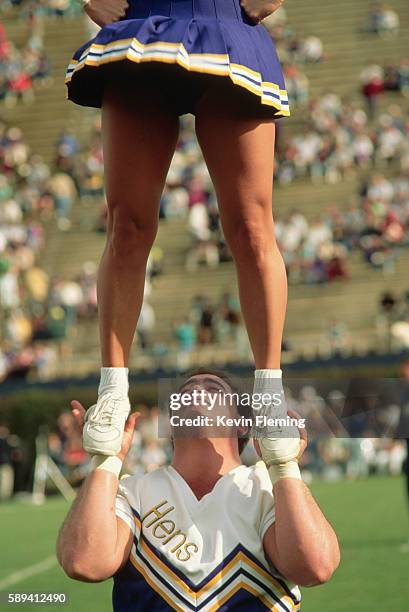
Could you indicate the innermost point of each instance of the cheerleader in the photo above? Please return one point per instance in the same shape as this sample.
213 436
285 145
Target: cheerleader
152 62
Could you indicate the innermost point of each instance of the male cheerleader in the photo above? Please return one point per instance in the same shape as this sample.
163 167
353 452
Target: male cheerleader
205 533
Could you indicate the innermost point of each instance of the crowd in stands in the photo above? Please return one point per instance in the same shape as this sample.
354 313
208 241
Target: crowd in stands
34 307
208 322
338 139
22 70
38 312
311 252
386 214
376 80
375 223
84 166
296 51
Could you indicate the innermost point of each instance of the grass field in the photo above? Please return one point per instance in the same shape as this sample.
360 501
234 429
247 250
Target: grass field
370 518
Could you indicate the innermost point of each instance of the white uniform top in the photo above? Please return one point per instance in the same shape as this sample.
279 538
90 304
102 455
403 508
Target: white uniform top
206 554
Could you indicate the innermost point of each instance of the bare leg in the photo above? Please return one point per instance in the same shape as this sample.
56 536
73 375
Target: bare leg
239 152
139 139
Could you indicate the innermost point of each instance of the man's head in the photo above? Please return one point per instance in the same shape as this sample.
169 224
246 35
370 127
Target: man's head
214 394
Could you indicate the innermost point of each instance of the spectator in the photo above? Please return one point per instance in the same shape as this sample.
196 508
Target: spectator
63 191
403 76
372 86
206 325
389 21
383 20
22 69
185 334
387 308
337 336
312 49
297 84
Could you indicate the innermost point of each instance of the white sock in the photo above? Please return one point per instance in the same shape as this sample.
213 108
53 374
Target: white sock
270 382
262 374
114 379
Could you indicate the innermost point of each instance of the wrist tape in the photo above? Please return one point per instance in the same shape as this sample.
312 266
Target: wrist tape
278 471
109 464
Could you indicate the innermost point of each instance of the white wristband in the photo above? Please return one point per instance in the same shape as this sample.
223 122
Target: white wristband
279 471
109 464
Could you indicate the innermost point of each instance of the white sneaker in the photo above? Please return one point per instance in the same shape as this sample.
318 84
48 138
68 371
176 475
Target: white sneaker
278 443
104 424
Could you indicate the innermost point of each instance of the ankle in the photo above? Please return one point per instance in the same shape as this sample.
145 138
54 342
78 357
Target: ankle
114 379
268 385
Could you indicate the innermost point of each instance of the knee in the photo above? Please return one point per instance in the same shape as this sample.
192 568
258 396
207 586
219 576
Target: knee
252 240
130 238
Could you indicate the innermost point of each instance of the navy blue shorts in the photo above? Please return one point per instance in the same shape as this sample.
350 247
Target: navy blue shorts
178 90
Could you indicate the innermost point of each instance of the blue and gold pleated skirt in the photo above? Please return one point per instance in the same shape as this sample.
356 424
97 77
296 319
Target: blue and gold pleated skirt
204 40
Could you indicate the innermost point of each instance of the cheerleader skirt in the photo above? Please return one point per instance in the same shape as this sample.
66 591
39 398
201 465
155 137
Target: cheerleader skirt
182 47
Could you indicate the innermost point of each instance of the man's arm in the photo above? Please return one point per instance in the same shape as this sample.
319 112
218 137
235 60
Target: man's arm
301 543
93 542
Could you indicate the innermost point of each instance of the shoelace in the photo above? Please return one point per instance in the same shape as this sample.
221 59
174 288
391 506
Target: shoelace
105 410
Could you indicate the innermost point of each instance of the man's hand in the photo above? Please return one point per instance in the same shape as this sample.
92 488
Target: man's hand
78 411
103 12
260 9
